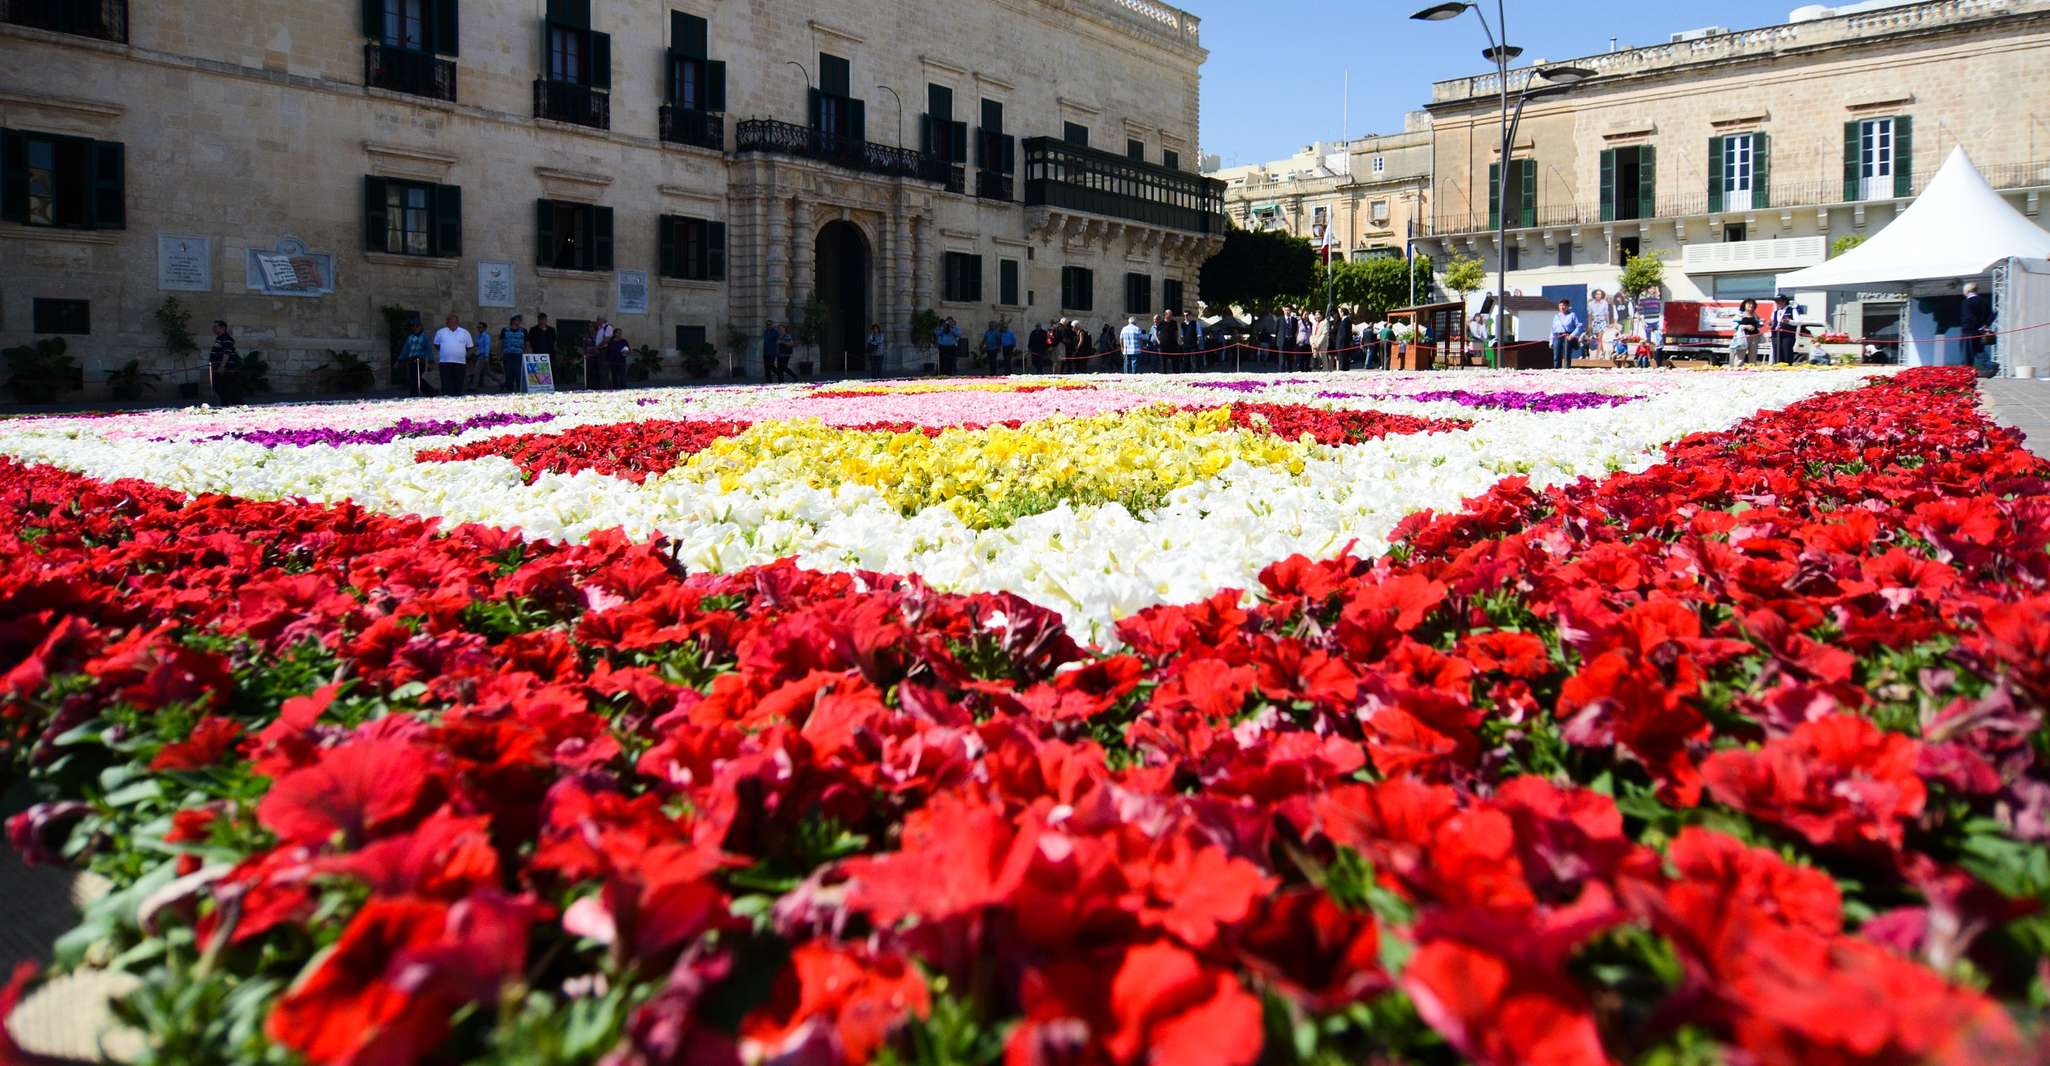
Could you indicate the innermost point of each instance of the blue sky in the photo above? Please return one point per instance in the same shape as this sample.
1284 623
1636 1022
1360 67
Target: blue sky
1275 77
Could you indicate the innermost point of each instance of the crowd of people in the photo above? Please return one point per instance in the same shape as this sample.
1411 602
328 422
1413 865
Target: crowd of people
478 361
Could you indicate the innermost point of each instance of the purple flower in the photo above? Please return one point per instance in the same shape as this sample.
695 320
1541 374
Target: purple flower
404 427
1512 399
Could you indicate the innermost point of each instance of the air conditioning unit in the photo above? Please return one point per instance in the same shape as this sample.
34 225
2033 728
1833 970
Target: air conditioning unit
1684 36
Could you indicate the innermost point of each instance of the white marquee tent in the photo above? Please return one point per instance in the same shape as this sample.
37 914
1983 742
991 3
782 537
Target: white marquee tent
1958 230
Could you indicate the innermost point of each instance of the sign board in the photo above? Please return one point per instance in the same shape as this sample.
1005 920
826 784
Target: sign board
633 292
494 284
539 373
185 264
291 270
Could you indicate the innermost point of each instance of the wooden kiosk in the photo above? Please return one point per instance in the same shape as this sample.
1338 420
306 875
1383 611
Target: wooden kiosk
1447 328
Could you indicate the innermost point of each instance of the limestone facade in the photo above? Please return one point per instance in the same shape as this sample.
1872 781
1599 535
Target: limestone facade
1372 193
254 129
1627 160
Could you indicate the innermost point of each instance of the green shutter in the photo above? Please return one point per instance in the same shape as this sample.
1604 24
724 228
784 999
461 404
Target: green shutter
1494 195
1903 156
376 226
601 238
600 75
925 132
570 12
13 176
690 35
108 180
715 86
959 142
857 120
1608 185
1761 171
1647 182
448 221
447 23
373 20
715 251
1528 203
1851 160
665 243
544 233
816 103
1715 174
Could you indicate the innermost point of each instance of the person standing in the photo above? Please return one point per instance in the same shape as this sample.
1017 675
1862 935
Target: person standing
1784 329
616 349
873 348
1130 340
413 359
786 347
540 341
1341 338
480 359
1038 344
771 340
948 340
1976 327
1744 346
993 348
452 344
225 366
1565 327
512 352
1008 345
1600 315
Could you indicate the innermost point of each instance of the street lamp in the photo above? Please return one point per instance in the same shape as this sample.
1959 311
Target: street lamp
1501 53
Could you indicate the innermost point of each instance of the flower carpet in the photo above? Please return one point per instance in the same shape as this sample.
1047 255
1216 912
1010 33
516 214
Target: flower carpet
1667 718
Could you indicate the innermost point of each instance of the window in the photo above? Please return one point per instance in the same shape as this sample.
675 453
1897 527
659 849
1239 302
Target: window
996 155
106 21
406 37
1629 180
1878 158
834 110
1078 289
577 68
1138 294
944 137
1736 167
1378 212
1515 259
1007 282
1135 149
412 218
1075 135
1170 159
1565 253
691 248
961 278
1320 216
1379 165
572 236
1745 286
1734 232
61 316
689 337
405 23
52 180
696 83
1628 248
1522 208
1171 295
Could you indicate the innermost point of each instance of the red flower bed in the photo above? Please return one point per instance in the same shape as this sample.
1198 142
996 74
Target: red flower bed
635 451
1334 427
1738 758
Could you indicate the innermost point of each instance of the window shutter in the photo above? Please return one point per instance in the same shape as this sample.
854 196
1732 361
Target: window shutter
373 19
109 205
816 103
1851 160
601 238
376 227
975 282
1647 182
690 34
857 120
715 251
570 12
600 74
1608 185
925 133
1495 194
1010 154
672 65
13 176
715 87
1903 156
665 242
1529 200
448 221
957 141
1715 174
1761 171
446 24
544 232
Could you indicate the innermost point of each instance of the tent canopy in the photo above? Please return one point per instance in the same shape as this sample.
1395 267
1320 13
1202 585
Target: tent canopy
1958 228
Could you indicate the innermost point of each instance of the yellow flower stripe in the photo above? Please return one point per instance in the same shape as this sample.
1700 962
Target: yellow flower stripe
923 388
991 477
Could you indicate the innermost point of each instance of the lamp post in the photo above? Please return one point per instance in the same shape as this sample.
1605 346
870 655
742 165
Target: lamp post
900 112
1501 53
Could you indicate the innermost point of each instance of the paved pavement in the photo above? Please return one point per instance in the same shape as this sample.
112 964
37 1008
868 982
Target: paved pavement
2022 405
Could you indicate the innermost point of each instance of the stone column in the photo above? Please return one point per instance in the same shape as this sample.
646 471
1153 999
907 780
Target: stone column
803 247
902 295
775 257
921 265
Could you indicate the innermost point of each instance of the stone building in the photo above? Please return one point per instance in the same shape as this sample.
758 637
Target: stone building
1371 193
1737 156
686 169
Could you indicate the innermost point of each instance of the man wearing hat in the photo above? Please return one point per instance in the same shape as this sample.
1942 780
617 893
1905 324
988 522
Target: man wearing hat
1783 330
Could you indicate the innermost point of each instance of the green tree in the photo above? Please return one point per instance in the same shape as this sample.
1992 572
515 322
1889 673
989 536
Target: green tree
1373 287
1845 243
1465 274
1642 274
1257 269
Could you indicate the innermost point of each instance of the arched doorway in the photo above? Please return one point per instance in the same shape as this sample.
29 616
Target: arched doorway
842 284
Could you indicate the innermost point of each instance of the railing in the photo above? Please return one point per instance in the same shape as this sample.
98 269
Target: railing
1159 18
1780 196
957 179
697 128
404 70
104 19
562 101
1059 174
991 185
771 137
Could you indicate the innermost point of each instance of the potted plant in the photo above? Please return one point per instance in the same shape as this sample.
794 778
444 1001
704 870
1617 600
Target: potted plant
255 373
647 362
811 329
742 345
347 372
131 381
40 372
699 359
924 326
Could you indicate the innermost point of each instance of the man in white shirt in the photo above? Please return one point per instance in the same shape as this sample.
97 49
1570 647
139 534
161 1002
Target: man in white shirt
452 344
1129 339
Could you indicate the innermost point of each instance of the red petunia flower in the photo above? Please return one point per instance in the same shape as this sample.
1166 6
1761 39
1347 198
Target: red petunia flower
1839 781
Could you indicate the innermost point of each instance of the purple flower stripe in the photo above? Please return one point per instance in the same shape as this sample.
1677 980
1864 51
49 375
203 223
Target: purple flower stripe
1505 400
404 427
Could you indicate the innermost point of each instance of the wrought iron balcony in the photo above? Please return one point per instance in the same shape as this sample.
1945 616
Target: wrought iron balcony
104 19
770 137
697 128
1059 174
563 101
406 70
991 185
